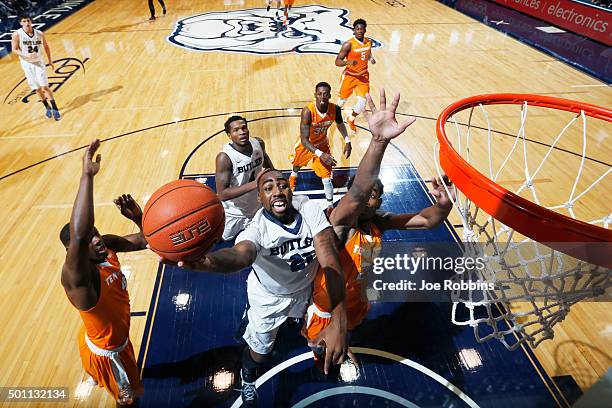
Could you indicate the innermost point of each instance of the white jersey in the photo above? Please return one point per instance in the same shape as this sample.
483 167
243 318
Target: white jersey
244 170
31 45
286 261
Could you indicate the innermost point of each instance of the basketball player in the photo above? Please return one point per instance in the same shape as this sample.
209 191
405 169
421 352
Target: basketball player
28 43
360 226
152 8
288 4
95 285
354 56
269 3
313 145
236 167
282 244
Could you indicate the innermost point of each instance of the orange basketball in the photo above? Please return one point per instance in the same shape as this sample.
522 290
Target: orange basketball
183 220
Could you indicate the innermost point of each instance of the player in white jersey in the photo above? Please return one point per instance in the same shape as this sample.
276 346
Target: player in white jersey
29 43
285 242
236 169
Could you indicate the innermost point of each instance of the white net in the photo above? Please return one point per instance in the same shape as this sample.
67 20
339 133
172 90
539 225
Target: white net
535 284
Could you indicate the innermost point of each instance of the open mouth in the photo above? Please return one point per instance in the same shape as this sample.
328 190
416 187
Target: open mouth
279 205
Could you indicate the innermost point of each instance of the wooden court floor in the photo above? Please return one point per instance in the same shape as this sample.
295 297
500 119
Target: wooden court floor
153 102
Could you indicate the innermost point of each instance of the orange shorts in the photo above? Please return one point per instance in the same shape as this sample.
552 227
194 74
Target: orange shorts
317 319
302 156
101 370
288 2
349 84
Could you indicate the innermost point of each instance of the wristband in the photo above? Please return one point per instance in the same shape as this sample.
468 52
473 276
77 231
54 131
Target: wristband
318 153
347 139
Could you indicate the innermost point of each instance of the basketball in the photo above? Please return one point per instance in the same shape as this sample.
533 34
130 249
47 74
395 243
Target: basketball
183 220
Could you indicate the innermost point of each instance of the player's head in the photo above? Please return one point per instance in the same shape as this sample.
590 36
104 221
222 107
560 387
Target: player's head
97 249
237 130
359 28
25 21
274 193
322 95
368 211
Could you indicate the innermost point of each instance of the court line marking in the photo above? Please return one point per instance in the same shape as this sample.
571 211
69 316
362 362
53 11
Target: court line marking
368 351
354 389
253 111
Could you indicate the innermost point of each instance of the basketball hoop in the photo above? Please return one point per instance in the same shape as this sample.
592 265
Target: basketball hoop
541 260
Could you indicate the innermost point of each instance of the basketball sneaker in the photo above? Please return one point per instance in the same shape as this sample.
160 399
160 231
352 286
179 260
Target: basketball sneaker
56 114
49 113
268 7
248 392
351 123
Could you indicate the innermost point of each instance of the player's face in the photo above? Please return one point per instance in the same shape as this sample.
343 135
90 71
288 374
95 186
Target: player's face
239 133
322 96
97 249
275 195
26 24
372 205
359 31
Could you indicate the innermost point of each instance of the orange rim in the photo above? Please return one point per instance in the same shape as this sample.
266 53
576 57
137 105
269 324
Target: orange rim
526 217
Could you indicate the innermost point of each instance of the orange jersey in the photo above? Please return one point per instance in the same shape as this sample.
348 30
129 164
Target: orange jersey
320 123
360 52
356 258
107 324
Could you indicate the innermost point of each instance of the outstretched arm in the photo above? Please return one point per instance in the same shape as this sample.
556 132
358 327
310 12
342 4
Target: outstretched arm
76 272
384 128
225 260
333 336
133 242
429 217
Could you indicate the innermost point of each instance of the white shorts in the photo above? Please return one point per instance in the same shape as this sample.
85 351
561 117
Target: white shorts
35 73
233 225
268 311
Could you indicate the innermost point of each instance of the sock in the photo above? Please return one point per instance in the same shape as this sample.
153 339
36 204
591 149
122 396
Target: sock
328 188
53 105
293 180
44 101
350 118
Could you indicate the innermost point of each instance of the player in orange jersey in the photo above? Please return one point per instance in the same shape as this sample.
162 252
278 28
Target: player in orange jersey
354 56
359 226
288 4
313 145
95 285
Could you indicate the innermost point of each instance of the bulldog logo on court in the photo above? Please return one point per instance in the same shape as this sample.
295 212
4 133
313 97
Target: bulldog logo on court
312 29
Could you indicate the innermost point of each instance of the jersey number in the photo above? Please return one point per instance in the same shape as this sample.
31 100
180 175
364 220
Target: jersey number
363 56
301 261
252 178
32 49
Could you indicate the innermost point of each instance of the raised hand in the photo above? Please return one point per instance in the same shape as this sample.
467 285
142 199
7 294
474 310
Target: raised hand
440 193
382 122
91 167
128 207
